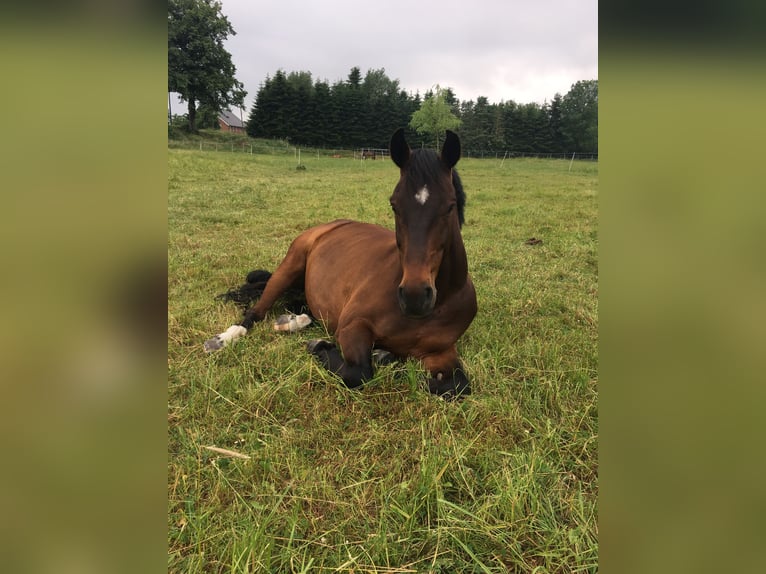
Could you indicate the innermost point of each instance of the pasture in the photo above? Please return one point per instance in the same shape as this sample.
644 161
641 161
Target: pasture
387 478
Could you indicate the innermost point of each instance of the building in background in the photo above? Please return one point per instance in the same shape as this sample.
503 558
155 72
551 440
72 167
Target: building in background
230 123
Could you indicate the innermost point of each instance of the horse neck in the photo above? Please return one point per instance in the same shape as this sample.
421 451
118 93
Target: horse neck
453 272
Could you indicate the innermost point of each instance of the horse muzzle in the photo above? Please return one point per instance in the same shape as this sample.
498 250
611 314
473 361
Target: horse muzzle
417 301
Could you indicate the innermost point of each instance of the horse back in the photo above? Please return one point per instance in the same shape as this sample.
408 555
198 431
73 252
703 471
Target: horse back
351 264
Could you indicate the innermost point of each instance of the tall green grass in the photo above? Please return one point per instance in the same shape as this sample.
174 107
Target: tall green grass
386 478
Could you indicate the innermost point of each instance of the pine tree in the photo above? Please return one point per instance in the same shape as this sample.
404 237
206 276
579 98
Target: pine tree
554 125
365 112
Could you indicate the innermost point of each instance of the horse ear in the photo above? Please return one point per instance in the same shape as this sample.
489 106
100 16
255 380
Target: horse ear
451 149
400 151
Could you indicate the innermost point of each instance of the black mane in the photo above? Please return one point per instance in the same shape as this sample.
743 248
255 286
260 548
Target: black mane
425 165
460 196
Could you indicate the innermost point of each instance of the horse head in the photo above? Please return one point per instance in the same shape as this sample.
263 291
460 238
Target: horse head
428 209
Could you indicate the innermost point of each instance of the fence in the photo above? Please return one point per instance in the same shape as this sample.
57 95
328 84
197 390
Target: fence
278 147
370 153
502 154
281 147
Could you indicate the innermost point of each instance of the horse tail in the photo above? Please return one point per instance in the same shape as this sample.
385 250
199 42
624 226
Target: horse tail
294 299
258 276
252 289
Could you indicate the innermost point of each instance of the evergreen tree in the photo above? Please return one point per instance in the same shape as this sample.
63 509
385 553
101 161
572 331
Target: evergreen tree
296 102
408 105
254 127
497 138
380 95
510 125
554 125
451 100
543 138
321 110
353 110
281 98
337 115
468 128
355 77
526 132
483 123
365 111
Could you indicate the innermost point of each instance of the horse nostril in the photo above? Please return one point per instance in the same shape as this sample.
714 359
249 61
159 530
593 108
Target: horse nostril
417 302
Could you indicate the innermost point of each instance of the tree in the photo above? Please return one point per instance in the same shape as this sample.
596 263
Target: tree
554 123
579 117
200 69
434 116
268 117
483 122
363 110
381 117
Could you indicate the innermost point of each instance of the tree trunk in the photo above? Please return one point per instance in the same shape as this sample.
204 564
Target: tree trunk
192 116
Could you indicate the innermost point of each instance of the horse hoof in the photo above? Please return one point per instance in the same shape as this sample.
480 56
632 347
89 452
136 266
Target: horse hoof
450 389
382 357
316 345
213 344
226 338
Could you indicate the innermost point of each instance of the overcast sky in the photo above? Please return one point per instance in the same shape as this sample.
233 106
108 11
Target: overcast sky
521 50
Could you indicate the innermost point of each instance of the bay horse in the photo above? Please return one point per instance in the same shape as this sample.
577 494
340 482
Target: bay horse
383 293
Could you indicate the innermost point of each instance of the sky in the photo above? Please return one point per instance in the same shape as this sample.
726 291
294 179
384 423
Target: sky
520 50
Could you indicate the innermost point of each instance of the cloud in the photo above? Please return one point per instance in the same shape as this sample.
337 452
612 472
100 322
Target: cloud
501 49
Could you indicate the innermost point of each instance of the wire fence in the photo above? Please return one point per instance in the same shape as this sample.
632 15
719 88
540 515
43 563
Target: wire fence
531 154
282 147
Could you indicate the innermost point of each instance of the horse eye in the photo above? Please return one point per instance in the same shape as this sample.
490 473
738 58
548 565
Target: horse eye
450 208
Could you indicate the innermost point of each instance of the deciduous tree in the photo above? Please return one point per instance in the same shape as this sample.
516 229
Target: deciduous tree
200 70
579 117
435 116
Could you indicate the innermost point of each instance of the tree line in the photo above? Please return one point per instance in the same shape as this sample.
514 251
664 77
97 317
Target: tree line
365 111
361 111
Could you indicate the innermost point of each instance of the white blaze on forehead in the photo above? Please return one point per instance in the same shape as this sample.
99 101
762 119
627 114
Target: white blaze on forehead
422 195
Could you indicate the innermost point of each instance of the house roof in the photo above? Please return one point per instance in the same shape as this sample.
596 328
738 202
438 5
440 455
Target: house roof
231 119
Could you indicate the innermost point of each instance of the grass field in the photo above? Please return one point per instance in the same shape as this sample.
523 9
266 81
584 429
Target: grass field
388 478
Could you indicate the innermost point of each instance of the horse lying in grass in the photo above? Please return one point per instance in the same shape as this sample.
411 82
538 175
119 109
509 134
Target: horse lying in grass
396 294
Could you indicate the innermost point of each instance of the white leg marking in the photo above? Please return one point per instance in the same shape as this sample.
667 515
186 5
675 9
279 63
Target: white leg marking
422 195
226 338
232 334
292 323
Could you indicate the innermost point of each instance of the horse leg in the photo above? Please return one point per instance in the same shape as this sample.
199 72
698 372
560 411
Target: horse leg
289 272
354 364
448 380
